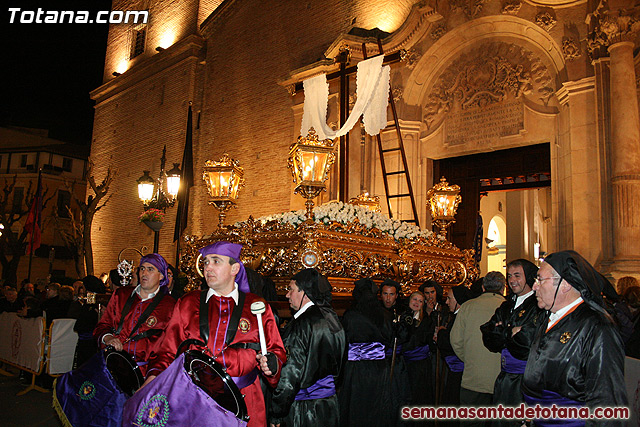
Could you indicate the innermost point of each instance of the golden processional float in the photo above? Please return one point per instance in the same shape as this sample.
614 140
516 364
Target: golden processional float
344 241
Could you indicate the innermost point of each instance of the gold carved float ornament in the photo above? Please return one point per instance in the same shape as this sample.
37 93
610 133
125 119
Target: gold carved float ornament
344 241
345 249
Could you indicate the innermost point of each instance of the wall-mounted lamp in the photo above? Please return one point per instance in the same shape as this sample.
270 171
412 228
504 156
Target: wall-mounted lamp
116 74
159 49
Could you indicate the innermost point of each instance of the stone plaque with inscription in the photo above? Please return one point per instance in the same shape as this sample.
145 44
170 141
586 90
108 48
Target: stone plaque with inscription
484 124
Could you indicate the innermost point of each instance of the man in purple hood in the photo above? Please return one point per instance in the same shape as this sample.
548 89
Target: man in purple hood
136 316
219 322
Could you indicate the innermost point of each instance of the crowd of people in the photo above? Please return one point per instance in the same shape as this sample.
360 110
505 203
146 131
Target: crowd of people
558 337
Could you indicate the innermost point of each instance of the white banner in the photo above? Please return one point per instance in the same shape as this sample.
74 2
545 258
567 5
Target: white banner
62 346
632 382
22 341
372 90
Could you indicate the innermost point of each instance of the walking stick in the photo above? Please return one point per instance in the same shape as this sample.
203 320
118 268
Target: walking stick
393 358
437 399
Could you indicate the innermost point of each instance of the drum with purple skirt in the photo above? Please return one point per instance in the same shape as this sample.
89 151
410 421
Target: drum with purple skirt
213 397
124 370
94 394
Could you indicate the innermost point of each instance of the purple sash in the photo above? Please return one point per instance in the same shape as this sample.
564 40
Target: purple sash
511 365
172 399
89 396
454 363
549 398
388 351
366 351
245 380
418 353
321 389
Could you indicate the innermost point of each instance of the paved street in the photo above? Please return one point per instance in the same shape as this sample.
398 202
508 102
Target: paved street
29 410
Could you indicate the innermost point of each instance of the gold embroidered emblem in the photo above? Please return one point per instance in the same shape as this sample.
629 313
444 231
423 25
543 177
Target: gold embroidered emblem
244 325
151 321
565 337
521 313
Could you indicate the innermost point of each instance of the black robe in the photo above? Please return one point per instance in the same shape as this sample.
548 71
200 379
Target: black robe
496 338
365 393
420 371
581 358
315 345
450 395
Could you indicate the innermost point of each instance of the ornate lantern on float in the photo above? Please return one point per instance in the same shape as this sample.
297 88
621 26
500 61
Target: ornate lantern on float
310 161
443 200
224 180
365 200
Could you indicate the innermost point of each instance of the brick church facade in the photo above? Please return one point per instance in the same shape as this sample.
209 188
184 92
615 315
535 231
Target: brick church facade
493 94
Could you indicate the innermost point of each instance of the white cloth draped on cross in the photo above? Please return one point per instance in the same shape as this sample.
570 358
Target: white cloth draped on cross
372 90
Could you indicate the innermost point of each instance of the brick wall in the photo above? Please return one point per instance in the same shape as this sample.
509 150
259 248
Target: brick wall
241 108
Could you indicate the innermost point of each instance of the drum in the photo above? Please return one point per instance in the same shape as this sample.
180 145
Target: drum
124 370
212 378
193 391
91 395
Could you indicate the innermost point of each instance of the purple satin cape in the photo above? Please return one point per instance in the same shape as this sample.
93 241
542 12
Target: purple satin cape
418 353
172 399
454 363
89 396
366 351
323 388
548 398
511 365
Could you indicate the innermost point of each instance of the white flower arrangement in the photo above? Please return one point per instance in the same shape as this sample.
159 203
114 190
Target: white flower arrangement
345 213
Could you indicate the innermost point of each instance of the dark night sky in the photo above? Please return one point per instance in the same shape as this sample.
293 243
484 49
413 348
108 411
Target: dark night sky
49 69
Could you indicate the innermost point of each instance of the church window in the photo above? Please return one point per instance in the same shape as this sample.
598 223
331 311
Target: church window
139 39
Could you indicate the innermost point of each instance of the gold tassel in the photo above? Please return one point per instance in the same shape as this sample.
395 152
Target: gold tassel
56 405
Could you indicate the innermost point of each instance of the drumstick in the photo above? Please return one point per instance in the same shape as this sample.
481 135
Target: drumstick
258 308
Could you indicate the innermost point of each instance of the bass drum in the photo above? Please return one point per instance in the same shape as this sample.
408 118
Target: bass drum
212 378
124 370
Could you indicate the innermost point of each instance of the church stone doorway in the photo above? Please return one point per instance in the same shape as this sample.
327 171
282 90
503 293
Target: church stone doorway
512 185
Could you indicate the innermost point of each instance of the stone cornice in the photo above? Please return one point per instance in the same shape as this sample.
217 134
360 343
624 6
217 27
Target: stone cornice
413 29
208 25
572 88
191 46
555 4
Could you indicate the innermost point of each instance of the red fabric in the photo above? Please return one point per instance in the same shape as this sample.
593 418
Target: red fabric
185 324
32 223
158 319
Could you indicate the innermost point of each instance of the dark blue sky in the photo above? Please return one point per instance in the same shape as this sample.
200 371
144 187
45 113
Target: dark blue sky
48 70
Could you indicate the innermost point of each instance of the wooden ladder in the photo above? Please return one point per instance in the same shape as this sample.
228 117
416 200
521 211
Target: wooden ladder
403 191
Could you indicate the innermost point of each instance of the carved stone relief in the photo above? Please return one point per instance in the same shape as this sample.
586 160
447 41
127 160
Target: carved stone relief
397 93
488 74
438 32
511 7
410 57
471 8
570 49
545 21
608 26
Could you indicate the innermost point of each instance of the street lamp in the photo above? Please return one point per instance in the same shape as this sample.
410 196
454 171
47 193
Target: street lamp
310 161
153 195
443 200
224 180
